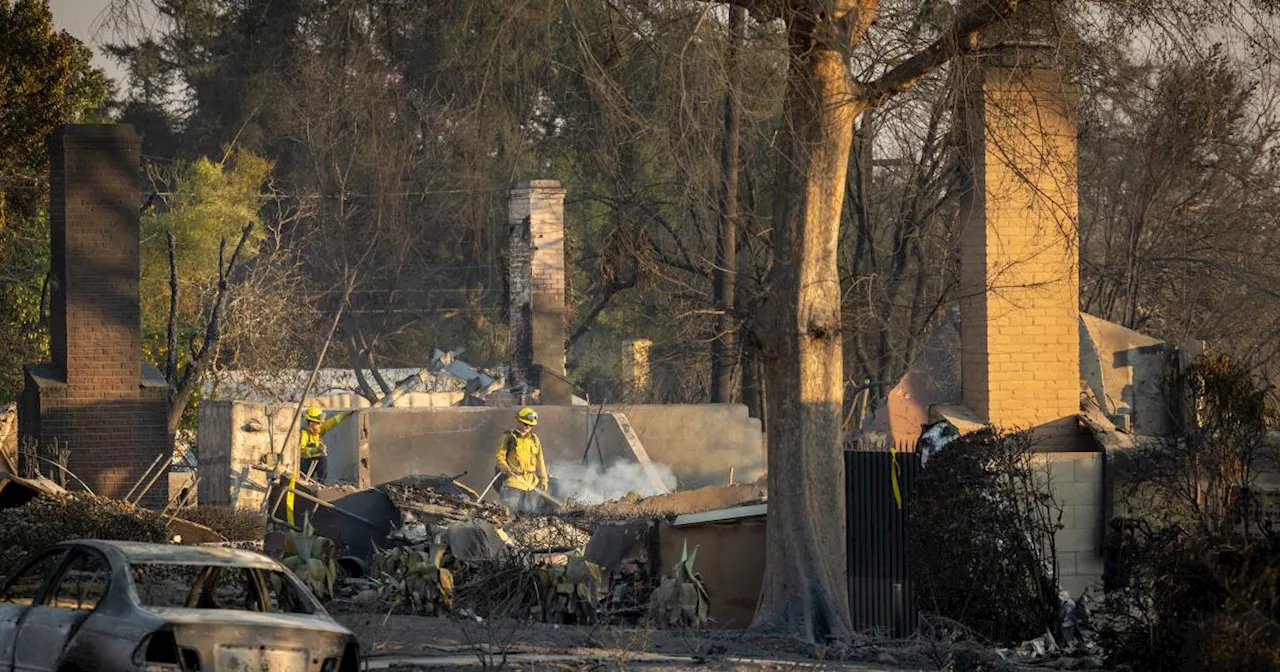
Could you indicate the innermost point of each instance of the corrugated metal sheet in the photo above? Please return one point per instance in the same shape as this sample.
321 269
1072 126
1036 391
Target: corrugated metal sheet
881 593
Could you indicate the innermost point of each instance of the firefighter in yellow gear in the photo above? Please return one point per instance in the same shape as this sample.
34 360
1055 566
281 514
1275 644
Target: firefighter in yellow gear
521 460
315 455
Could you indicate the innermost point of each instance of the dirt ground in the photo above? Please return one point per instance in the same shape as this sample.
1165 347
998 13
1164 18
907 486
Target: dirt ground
416 642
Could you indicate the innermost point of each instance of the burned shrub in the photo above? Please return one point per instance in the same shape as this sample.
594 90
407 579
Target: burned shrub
1190 606
507 586
981 527
49 519
234 524
1193 571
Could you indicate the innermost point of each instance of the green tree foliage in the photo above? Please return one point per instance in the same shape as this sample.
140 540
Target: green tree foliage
23 296
210 201
208 206
45 80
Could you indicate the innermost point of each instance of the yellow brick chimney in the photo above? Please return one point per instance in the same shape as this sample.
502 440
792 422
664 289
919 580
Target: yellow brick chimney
1020 353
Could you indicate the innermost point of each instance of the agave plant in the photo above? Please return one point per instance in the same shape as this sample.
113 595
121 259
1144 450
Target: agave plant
417 576
311 557
681 600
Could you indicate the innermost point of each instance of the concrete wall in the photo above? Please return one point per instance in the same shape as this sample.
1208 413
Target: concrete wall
730 560
1076 482
232 436
179 480
1125 370
433 441
700 442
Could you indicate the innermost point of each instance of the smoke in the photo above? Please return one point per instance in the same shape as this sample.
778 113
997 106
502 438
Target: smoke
596 483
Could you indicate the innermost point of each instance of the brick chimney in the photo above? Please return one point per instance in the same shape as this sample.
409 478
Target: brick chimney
537 286
96 396
1019 247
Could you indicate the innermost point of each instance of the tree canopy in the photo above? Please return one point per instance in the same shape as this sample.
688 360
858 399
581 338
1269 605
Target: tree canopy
45 80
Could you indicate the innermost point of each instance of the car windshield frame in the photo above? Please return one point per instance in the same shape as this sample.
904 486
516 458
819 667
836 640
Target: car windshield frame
259 576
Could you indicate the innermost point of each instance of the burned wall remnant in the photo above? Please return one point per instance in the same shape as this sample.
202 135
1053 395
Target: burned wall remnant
536 289
234 437
96 396
702 444
1019 247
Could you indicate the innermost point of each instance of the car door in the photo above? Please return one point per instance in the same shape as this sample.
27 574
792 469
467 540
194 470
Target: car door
17 597
68 600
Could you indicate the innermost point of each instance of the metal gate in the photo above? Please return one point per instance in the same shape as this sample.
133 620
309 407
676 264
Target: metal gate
881 593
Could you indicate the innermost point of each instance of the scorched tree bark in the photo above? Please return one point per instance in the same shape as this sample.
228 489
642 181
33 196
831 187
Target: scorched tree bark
805 587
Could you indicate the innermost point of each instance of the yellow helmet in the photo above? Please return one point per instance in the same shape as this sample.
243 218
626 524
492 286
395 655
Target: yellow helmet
314 414
528 416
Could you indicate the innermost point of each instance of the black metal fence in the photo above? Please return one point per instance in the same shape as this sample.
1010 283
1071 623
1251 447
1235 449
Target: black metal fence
881 593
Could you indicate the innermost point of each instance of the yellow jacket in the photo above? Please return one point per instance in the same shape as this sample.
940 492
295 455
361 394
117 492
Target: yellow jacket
312 443
520 458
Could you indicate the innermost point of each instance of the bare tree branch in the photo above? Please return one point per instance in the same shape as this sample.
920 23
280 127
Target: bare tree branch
610 290
357 367
171 356
956 41
764 11
201 358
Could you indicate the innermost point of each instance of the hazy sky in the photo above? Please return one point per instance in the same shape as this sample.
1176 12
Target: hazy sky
78 17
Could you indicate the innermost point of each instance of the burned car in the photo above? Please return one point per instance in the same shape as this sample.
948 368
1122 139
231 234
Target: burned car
114 605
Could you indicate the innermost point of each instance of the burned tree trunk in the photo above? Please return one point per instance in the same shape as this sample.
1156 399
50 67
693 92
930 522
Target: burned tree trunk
724 353
805 588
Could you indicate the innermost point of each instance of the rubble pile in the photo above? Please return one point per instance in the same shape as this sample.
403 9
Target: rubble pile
504 586
660 506
451 554
572 590
424 501
545 533
629 592
1075 648
469 570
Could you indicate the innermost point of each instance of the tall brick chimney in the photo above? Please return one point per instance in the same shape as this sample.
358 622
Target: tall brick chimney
97 397
1019 248
537 286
